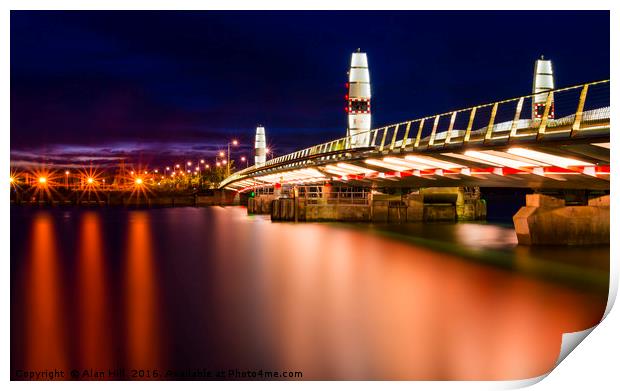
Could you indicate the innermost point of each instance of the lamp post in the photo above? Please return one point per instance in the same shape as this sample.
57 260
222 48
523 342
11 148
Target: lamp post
234 143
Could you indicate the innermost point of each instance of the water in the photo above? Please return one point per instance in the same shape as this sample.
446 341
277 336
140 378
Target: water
171 291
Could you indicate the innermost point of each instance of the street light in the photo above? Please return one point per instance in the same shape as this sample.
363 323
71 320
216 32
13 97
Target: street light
234 142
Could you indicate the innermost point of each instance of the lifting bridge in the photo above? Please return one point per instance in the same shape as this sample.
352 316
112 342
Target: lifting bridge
500 144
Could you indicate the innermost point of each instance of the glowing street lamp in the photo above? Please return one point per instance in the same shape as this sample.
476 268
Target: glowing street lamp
90 180
234 142
139 181
202 161
42 180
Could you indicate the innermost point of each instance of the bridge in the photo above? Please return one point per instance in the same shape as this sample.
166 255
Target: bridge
554 141
490 145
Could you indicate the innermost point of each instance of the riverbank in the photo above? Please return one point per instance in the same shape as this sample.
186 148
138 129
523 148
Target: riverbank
142 198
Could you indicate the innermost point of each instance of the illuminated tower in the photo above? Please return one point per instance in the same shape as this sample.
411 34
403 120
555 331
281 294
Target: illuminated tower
543 81
260 147
358 101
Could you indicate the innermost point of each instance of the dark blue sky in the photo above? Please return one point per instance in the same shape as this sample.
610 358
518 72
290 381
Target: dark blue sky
163 85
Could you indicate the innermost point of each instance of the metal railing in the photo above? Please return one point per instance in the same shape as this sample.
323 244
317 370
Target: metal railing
316 195
574 111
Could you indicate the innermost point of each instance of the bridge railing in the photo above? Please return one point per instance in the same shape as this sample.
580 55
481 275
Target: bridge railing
572 110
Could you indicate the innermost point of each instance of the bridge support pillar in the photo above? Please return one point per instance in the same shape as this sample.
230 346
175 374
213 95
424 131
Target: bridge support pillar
453 203
261 204
547 220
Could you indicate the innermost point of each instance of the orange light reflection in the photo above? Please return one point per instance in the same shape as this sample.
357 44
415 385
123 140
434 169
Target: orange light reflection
45 317
141 293
94 308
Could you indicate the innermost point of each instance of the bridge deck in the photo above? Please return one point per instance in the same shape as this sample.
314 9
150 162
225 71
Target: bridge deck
568 152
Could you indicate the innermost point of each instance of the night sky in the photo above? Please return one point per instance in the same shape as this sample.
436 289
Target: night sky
160 86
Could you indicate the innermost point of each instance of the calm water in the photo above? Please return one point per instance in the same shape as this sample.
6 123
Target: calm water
185 289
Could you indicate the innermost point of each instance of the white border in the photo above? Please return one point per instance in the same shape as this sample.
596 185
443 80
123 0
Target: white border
593 364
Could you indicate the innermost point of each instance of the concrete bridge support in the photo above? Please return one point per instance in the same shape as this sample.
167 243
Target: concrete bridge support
388 208
547 220
261 204
432 204
453 203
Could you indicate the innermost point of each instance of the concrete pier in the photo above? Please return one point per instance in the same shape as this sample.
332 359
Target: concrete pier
547 220
432 204
261 204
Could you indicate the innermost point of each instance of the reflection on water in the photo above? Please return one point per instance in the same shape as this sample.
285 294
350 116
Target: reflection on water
140 287
45 344
93 286
193 288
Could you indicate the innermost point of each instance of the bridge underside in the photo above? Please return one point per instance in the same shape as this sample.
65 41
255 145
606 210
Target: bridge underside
550 165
